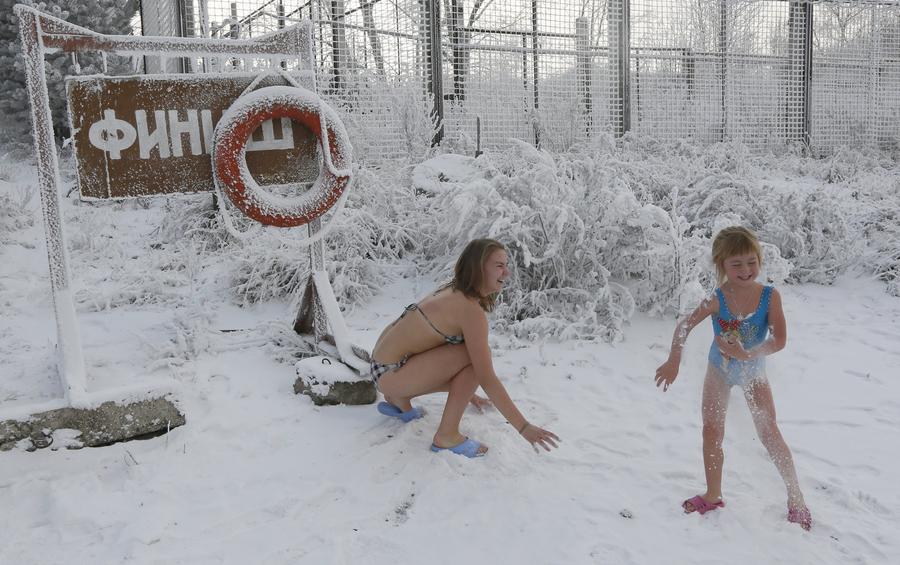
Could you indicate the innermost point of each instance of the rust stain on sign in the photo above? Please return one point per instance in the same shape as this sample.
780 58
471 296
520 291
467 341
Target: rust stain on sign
147 135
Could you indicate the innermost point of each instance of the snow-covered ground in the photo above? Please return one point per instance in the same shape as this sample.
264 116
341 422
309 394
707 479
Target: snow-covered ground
259 475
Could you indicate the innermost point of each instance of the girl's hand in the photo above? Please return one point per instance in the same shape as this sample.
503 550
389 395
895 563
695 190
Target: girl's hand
480 403
666 373
538 436
733 350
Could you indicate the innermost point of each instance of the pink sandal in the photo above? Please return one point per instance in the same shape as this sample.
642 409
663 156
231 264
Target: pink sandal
800 516
699 504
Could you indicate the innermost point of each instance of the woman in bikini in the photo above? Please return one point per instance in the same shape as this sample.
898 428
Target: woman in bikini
441 345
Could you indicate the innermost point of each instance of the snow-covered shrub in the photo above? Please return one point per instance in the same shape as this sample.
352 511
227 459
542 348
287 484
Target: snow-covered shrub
189 336
117 261
603 228
265 263
876 215
16 204
811 232
806 223
553 214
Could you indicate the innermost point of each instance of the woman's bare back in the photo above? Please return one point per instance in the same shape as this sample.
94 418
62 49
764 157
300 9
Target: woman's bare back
435 321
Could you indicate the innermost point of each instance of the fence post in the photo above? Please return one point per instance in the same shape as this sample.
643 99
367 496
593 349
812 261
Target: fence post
723 66
620 65
338 44
534 72
186 28
800 20
435 70
583 58
689 63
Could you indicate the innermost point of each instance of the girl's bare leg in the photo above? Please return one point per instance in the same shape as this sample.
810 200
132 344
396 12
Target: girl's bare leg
762 408
714 408
444 368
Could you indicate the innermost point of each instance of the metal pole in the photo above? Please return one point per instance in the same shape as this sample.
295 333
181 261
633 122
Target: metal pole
807 76
279 11
620 63
723 67
458 53
436 72
534 70
583 58
689 70
70 357
338 45
204 18
800 71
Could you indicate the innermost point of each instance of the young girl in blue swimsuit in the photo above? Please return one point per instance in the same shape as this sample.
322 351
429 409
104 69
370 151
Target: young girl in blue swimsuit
748 322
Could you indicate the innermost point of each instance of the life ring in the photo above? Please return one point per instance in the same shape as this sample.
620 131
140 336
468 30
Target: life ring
229 159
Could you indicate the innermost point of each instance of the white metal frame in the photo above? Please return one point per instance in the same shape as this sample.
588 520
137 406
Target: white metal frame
42 34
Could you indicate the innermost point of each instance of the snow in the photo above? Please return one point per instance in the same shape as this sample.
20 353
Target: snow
261 475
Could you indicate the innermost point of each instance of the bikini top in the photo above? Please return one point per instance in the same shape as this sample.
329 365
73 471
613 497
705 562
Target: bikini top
752 329
451 339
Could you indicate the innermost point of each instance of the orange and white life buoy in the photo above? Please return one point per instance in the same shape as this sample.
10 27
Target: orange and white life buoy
229 158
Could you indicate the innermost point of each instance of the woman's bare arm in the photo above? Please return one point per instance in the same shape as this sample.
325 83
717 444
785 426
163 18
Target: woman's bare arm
475 329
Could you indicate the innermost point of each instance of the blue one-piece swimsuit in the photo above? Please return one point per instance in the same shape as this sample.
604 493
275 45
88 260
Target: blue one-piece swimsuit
753 330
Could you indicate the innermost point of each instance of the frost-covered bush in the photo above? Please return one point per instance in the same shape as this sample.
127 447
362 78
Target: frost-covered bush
811 231
16 201
875 213
118 259
265 263
606 227
556 216
594 233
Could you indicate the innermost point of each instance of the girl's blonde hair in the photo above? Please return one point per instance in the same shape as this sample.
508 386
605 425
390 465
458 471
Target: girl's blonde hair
731 241
468 275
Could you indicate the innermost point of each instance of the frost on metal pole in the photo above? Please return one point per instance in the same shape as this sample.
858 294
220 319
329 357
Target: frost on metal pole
434 72
536 120
583 56
70 359
723 68
619 65
800 22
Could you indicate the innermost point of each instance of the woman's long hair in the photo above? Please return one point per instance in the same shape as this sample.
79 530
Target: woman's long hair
468 275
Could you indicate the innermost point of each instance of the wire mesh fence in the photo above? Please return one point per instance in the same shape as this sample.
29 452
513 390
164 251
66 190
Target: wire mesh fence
404 73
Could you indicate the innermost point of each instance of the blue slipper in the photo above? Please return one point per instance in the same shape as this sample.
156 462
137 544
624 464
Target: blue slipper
389 409
469 448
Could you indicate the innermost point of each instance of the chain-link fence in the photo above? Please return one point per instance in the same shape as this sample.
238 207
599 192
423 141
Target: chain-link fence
824 74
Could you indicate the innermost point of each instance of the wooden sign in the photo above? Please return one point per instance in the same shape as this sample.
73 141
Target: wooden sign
146 135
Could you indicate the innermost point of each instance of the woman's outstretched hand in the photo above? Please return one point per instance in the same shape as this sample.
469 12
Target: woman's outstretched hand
480 403
539 436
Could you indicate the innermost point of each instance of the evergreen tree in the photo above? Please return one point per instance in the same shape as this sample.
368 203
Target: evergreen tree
103 16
